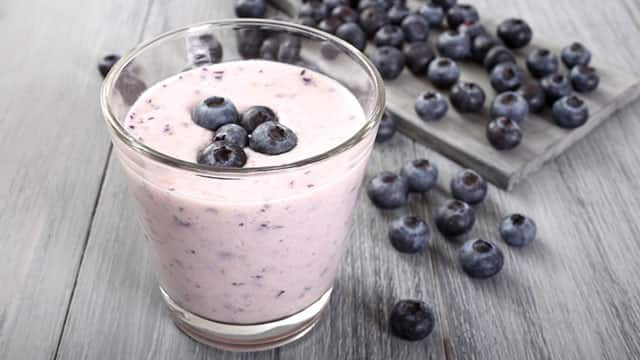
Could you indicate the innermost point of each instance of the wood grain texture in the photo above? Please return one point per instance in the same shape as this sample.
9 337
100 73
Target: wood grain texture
53 149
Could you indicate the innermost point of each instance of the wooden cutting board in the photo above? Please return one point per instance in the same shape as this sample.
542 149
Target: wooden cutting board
461 137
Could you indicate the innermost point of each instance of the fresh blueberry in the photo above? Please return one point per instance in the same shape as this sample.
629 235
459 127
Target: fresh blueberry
454 218
535 96
510 104
345 14
515 33
506 77
232 133
480 46
584 78
542 62
213 112
498 55
106 63
249 42
314 9
454 45
387 127
332 4
289 49
473 29
251 8
329 24
503 133
421 174
372 19
269 48
570 112
575 54
518 230
389 61
480 259
467 97
555 87
353 34
433 14
409 234
443 73
307 21
460 14
418 56
468 186
272 138
256 115
397 13
388 190
382 4
415 28
223 154
445 4
411 320
431 106
389 35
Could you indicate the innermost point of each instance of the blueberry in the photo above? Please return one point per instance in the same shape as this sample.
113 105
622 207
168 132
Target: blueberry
480 46
467 97
480 258
106 63
409 234
382 4
535 96
454 218
289 49
575 54
306 21
387 127
460 14
249 42
454 44
223 154
555 87
329 51
503 133
510 104
213 112
389 35
445 4
473 29
256 115
372 19
397 13
518 230
269 48
332 4
431 106
345 14
443 73
506 77
388 190
542 62
418 56
232 133
314 9
468 186
411 320
251 8
515 33
389 61
570 112
415 28
272 138
421 175
584 78
498 55
433 14
353 34
329 24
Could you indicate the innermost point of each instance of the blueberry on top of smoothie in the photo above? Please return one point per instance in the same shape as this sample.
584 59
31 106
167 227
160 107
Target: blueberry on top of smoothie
223 154
272 138
213 112
256 115
232 133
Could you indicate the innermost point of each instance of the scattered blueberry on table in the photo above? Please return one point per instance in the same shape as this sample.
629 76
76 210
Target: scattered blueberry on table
480 47
353 34
389 35
387 127
388 190
411 320
480 259
468 186
515 33
454 218
518 230
398 12
409 234
461 13
556 86
535 96
498 55
506 77
431 106
106 63
467 97
421 174
575 54
443 72
415 27
504 133
542 62
434 14
389 61
251 8
454 44
511 105
418 56
584 78
570 112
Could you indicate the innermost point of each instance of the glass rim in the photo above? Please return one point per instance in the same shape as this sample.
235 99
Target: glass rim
123 135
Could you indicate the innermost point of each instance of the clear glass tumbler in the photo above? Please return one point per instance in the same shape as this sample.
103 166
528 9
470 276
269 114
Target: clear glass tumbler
228 282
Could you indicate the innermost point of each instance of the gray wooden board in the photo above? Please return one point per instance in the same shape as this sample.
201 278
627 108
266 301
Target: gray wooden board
462 138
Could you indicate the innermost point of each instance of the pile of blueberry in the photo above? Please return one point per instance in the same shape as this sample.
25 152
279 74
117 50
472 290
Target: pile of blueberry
478 258
258 127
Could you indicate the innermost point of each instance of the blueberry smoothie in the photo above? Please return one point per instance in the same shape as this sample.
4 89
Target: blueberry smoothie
238 248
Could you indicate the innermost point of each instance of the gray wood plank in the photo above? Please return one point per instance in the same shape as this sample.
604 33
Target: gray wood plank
53 149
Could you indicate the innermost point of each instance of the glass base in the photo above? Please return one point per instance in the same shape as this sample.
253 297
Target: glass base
252 337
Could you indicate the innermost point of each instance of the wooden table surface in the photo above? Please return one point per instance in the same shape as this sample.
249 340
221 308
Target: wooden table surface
75 281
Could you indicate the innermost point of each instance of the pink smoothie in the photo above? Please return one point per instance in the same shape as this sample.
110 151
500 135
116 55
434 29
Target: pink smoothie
252 248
